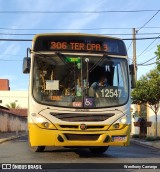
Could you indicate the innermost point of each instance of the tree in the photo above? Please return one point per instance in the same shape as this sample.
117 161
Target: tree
12 105
147 92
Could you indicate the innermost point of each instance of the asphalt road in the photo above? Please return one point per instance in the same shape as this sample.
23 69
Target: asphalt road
71 160
17 151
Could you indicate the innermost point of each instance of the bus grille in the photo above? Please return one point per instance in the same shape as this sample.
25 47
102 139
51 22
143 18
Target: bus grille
83 137
69 117
75 127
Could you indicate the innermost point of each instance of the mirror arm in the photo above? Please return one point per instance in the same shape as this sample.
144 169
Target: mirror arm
28 52
26 62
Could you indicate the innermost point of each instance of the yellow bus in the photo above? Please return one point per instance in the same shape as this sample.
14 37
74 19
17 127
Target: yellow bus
79 91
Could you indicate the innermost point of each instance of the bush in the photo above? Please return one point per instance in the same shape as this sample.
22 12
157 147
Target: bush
152 138
135 136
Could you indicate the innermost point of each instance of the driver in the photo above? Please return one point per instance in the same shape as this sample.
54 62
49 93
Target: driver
102 82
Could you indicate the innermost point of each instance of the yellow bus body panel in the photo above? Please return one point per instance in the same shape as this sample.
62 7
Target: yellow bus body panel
44 137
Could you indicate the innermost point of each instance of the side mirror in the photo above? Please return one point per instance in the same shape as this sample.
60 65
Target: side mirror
132 74
26 64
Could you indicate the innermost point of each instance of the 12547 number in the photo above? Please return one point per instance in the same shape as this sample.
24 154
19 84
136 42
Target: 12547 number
111 92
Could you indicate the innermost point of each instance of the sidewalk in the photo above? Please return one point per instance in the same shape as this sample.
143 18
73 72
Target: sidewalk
155 144
11 135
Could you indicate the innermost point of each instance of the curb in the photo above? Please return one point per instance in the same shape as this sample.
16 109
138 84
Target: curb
11 138
147 144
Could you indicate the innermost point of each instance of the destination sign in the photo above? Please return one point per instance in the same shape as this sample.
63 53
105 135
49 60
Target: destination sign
78 46
73 43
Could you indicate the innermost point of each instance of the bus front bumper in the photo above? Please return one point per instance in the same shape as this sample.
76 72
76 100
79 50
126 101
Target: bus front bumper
44 137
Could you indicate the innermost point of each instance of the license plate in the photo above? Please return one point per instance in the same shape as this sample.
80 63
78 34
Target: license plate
119 138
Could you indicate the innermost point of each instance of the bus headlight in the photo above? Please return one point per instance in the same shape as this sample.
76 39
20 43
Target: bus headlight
119 124
116 125
42 122
123 120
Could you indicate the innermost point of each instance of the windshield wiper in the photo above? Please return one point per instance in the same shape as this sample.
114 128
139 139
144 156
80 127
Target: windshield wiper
97 63
62 57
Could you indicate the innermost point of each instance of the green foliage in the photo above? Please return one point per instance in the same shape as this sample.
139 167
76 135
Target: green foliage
12 105
147 92
152 138
147 89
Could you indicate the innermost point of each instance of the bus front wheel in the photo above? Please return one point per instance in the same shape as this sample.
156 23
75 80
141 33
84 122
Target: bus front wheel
37 148
98 150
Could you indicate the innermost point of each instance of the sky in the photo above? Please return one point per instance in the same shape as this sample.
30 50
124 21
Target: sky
117 24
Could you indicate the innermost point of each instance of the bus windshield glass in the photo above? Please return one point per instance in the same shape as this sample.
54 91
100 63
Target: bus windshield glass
80 81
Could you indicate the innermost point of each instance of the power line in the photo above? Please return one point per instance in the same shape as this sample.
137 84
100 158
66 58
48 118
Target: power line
143 27
18 34
125 39
137 64
10 60
17 40
148 64
148 20
147 61
63 12
129 45
32 34
62 28
14 96
105 28
10 55
154 46
148 46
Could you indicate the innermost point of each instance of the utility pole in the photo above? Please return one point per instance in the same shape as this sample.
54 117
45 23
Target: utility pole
134 52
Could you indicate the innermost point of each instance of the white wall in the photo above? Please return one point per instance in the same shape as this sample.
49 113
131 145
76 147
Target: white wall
152 117
134 130
20 97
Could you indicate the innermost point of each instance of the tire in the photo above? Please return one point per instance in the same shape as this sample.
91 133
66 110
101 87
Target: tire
98 150
37 148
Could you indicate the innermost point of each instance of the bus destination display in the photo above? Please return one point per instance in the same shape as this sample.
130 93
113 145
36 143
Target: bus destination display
78 46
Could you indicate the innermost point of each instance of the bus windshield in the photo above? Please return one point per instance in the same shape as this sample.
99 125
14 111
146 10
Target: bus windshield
80 81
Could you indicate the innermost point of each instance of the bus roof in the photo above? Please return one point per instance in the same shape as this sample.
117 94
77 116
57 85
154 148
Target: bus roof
74 34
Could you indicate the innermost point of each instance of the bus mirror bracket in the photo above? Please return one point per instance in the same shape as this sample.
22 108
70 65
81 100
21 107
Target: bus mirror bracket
132 74
27 62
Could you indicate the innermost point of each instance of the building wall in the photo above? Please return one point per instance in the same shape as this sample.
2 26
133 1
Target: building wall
152 117
4 84
10 122
20 97
134 130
